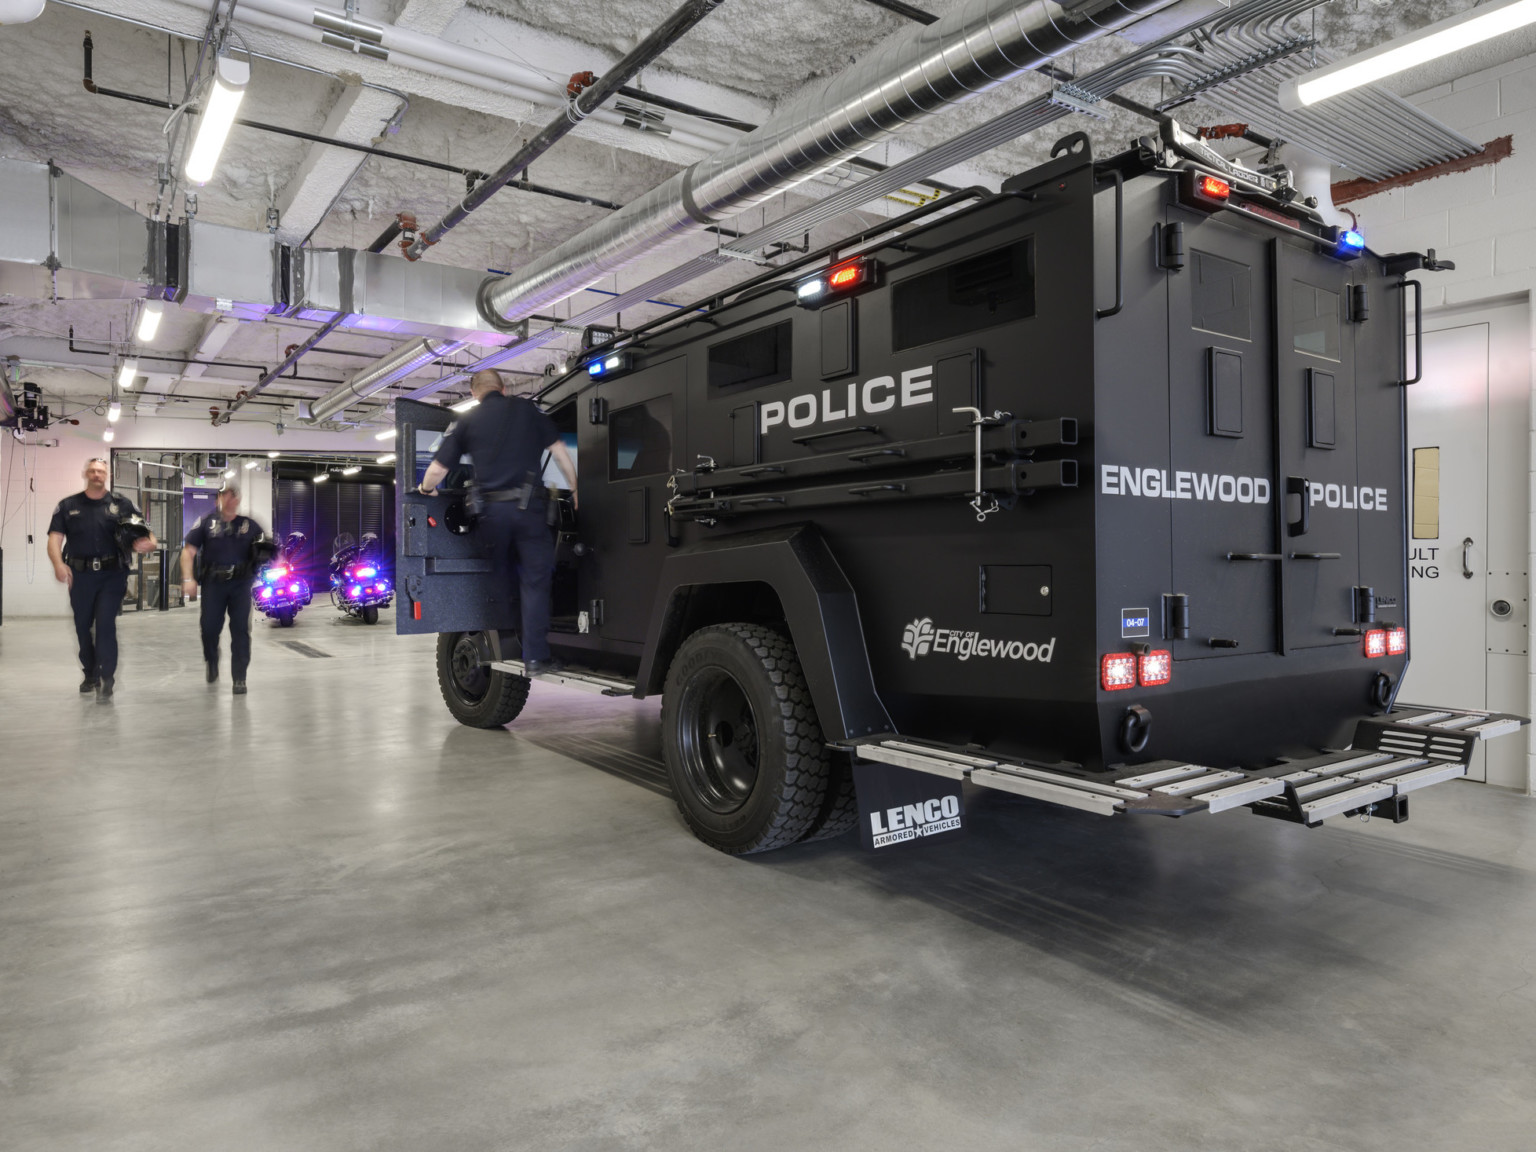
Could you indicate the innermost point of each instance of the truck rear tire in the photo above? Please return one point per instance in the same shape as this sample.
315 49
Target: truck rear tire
841 810
743 747
478 697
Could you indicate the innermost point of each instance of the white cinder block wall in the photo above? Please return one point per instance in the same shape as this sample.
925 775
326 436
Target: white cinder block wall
1484 220
34 480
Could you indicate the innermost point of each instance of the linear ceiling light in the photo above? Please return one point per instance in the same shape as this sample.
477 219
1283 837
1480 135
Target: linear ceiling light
387 458
389 435
249 464
322 477
149 321
128 373
1471 27
352 471
230 77
465 405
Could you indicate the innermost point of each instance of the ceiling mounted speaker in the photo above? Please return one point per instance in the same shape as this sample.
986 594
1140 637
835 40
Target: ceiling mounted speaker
20 11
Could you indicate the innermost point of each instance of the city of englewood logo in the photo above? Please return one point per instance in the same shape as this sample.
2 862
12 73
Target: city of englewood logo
920 637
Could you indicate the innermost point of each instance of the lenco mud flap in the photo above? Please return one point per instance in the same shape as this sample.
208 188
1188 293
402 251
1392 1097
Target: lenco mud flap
1393 755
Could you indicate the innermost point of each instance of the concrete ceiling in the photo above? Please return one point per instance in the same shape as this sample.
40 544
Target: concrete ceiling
742 60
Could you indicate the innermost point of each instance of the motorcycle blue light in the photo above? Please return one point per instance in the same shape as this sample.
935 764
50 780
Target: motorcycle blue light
366 572
354 591
266 593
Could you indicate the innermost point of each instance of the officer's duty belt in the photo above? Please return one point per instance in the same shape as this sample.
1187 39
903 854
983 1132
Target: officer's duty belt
507 495
230 572
93 563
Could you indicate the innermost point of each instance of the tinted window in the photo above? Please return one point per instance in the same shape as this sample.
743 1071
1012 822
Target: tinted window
966 296
1222 295
1315 321
640 439
761 357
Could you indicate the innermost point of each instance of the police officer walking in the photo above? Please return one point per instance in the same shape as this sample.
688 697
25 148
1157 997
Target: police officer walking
226 542
506 438
85 544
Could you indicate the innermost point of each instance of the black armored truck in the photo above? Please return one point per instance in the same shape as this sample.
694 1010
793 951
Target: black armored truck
1092 490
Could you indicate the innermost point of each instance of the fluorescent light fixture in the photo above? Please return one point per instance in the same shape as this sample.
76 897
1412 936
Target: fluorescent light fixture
1471 27
271 455
230 76
149 321
108 435
114 412
465 405
389 435
352 471
322 477
128 373
230 475
387 458
249 464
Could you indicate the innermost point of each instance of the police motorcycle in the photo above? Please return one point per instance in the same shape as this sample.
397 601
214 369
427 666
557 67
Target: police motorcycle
280 590
360 586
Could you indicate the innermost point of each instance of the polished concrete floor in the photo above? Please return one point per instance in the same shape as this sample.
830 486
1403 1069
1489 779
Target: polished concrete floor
326 917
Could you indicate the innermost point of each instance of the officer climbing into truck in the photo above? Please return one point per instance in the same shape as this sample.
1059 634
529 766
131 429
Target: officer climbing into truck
505 438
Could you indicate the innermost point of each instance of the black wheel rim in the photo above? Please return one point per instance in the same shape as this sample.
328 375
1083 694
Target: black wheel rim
718 734
471 679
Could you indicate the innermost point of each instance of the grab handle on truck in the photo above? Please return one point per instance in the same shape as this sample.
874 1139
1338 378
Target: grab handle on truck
1106 313
1298 486
1418 331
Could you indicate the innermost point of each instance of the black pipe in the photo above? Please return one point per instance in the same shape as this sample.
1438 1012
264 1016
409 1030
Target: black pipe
906 10
663 37
205 363
368 150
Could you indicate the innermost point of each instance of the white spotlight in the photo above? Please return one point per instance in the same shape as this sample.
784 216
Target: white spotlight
128 373
217 117
149 321
1471 27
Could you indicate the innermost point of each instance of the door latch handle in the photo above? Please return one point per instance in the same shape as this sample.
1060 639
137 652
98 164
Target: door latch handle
1298 486
1466 552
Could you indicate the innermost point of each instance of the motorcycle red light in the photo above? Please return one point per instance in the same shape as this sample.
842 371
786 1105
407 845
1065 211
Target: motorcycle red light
1117 671
1397 642
1376 643
1155 668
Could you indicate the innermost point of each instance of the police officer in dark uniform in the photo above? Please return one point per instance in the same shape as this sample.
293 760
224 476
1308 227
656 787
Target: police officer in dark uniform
85 546
222 549
506 438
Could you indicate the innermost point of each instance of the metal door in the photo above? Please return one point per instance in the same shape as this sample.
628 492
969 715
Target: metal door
1320 489
1467 428
1222 435
630 438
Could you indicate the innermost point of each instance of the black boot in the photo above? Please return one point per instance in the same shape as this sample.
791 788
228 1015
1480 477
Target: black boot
213 671
88 684
239 687
104 691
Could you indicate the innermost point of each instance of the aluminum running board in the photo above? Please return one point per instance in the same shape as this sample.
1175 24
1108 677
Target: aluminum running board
1307 791
595 682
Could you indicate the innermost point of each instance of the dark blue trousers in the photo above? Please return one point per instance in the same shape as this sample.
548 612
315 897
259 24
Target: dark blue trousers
231 598
96 598
519 538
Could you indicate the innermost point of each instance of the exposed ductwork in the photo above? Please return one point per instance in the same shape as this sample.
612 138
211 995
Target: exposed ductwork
977 46
394 367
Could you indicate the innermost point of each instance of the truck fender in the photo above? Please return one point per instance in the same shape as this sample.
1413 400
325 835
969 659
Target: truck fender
819 606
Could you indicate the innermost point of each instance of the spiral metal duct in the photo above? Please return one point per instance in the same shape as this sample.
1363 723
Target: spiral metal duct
976 47
396 366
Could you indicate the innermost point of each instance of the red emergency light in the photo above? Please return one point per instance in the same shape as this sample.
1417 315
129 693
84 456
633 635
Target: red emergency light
1214 188
1118 671
1376 643
1155 668
1397 641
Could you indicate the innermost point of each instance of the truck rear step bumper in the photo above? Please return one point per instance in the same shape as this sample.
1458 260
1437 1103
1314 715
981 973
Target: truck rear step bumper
1393 755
